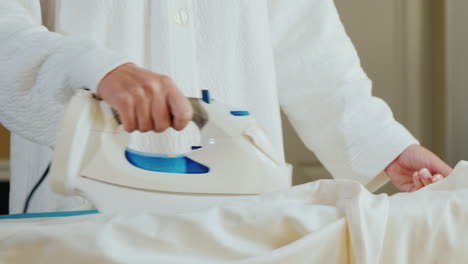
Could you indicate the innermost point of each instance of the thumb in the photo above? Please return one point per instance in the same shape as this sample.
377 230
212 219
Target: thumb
437 166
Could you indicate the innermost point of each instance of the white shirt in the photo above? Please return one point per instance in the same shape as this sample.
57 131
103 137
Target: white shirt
255 55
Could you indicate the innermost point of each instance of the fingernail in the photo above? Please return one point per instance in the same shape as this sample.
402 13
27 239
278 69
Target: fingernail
425 170
415 174
437 177
425 173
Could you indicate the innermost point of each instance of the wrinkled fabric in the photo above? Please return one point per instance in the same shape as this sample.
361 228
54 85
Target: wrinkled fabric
322 222
253 55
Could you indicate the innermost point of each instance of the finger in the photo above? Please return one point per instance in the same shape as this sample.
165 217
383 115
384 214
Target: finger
161 117
444 169
143 111
407 187
437 178
425 176
125 108
181 110
437 166
417 182
159 109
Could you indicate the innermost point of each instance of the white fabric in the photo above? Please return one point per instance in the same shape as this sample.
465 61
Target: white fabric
321 222
255 55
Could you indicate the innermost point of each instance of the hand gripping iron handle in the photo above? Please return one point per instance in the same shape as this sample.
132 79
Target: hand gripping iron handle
200 117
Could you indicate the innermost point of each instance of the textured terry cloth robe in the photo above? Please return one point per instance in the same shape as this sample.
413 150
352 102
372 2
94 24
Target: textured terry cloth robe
321 222
254 55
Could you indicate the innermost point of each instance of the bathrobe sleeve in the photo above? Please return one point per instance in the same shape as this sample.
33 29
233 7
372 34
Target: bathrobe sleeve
39 71
327 96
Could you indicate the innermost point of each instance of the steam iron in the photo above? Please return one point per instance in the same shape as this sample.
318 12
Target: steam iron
234 160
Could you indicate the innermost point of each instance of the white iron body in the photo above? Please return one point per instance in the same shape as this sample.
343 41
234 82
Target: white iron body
90 161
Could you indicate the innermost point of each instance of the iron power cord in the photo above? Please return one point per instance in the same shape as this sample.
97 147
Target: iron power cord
31 193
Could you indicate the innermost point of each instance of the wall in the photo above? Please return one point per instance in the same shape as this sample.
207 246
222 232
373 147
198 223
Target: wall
456 80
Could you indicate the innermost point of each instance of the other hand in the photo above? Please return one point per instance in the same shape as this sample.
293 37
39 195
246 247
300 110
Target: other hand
415 168
145 100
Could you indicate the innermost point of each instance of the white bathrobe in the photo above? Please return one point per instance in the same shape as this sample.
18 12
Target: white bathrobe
256 55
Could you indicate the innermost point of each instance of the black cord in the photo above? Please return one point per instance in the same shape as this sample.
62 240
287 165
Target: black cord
31 193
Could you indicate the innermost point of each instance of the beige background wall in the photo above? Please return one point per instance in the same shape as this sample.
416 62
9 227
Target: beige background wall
457 80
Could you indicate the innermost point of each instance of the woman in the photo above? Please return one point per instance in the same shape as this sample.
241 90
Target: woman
257 55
